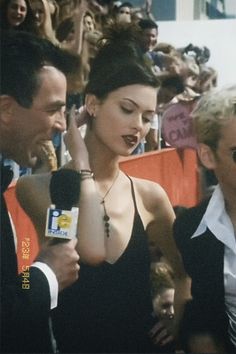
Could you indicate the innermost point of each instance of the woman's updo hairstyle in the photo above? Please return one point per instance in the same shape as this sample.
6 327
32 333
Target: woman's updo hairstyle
119 62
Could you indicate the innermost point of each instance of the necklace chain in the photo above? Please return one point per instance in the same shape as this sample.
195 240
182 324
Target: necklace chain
106 217
109 189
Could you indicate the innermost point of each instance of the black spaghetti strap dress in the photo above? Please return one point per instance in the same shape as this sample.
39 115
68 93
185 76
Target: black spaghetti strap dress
108 310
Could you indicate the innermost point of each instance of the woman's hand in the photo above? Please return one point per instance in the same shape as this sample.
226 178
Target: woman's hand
81 116
74 141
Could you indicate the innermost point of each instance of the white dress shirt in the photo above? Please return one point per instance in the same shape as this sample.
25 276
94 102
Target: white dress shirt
47 271
52 281
218 222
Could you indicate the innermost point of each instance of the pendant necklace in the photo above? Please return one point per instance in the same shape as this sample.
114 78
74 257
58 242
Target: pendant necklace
106 217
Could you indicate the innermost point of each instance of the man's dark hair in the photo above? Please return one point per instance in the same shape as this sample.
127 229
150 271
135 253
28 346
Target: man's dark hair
147 24
125 4
22 57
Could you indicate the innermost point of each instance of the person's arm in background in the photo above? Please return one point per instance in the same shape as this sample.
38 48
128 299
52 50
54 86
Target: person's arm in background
147 10
78 16
47 29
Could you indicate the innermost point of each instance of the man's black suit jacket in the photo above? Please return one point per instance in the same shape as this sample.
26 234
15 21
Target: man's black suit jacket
203 259
24 312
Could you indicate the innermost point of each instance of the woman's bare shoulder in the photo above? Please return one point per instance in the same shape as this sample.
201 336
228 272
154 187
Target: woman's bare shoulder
149 190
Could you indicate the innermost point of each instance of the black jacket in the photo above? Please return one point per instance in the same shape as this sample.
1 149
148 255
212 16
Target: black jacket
24 312
203 259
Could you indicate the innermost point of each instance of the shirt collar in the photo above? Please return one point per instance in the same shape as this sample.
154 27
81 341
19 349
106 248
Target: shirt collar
217 221
6 176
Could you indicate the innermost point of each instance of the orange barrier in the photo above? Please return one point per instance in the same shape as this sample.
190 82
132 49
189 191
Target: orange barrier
27 242
175 171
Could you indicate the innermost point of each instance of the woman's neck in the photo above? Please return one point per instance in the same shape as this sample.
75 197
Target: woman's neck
104 163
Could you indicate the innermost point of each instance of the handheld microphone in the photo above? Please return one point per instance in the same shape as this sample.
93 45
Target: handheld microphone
62 215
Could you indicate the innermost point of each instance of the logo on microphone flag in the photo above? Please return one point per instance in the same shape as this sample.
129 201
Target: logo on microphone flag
62 223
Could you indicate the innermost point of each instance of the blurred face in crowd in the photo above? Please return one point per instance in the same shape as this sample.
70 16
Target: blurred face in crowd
163 304
175 65
38 11
124 10
149 38
207 79
191 81
29 128
16 12
124 14
88 23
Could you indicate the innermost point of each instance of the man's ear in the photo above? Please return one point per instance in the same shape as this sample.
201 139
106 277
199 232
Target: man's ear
206 156
91 103
6 108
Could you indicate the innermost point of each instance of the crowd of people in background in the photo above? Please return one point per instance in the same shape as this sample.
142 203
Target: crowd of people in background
78 25
81 29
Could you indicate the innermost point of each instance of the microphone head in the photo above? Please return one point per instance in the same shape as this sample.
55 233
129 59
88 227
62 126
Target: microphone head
65 188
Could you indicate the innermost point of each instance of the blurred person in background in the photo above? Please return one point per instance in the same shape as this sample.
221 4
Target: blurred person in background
148 41
162 279
89 21
162 289
44 20
124 12
17 15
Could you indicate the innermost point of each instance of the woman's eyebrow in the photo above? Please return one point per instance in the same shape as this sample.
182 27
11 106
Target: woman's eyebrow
136 104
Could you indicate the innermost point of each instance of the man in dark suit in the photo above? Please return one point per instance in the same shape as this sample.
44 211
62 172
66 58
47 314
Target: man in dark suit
32 103
206 234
